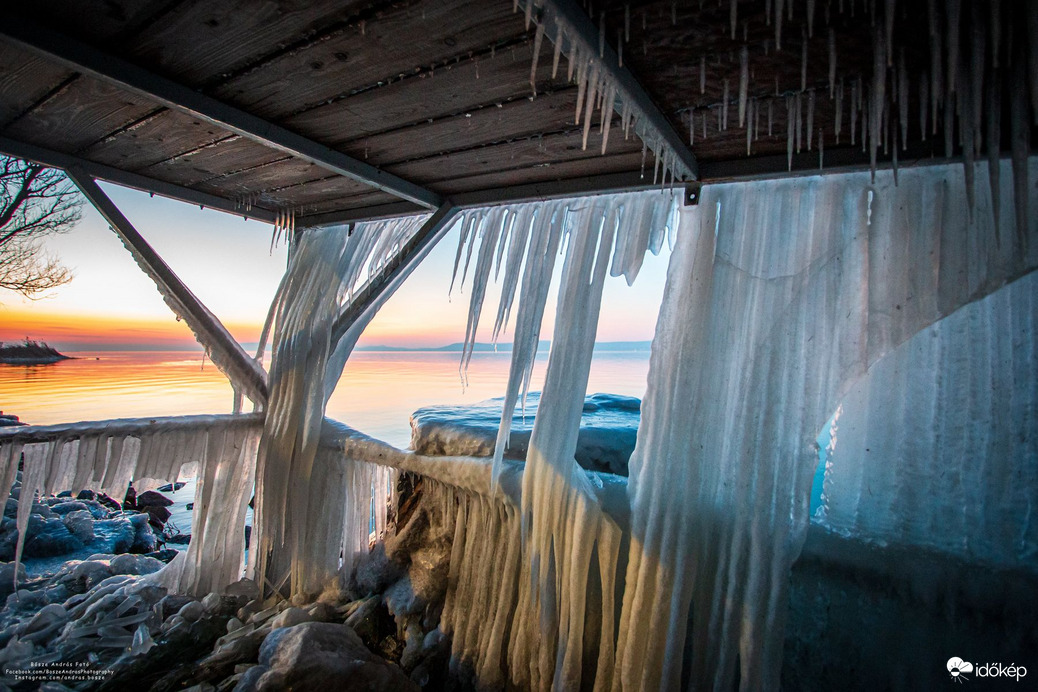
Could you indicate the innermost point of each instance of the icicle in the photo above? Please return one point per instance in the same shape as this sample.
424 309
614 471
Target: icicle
832 62
1032 54
744 81
821 149
557 53
924 102
607 117
799 104
810 117
854 110
953 8
839 111
778 24
877 98
994 143
627 21
810 18
1020 129
902 95
749 130
691 127
733 15
995 27
789 129
888 15
771 115
537 41
724 107
529 13
601 36
803 64
936 57
589 109
619 48
705 113
702 74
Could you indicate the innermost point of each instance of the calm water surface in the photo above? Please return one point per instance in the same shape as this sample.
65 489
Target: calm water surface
377 393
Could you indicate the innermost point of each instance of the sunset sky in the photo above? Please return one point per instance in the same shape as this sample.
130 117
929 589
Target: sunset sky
228 263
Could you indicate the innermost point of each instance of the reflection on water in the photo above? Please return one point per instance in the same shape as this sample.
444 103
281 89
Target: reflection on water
377 393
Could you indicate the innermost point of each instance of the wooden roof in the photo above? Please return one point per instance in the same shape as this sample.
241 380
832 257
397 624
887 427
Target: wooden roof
435 92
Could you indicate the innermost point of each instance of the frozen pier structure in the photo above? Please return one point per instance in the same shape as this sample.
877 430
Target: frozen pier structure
849 197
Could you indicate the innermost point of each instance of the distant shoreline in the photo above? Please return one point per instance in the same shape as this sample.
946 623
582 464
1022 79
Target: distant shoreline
30 353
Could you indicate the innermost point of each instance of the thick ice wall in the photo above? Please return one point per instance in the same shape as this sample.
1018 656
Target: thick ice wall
780 295
937 446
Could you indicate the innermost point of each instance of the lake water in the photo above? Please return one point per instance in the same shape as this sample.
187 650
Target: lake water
377 393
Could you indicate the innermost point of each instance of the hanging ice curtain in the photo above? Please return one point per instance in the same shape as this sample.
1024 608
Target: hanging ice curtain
779 296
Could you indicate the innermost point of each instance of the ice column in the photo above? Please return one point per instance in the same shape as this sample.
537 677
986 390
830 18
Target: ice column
779 296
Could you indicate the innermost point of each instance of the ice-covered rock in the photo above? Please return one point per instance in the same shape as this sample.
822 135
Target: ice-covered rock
49 537
129 563
315 655
80 524
608 430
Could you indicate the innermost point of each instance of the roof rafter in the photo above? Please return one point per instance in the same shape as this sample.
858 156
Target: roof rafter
68 162
114 70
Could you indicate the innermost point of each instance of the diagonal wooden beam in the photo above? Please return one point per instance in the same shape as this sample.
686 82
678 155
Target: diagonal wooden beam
227 354
100 171
91 61
385 283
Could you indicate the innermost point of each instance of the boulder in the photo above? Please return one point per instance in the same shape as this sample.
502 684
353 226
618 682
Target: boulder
7 578
129 563
172 487
68 506
80 524
143 538
117 534
318 655
86 495
51 538
290 617
150 498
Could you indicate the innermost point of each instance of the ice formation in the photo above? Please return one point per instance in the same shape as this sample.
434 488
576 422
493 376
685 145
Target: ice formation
328 265
107 455
597 88
760 334
951 405
562 522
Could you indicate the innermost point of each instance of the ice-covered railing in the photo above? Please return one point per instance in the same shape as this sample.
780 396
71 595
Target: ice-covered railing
107 455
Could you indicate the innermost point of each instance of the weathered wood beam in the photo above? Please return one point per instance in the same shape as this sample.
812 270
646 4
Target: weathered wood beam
91 61
227 354
374 293
100 171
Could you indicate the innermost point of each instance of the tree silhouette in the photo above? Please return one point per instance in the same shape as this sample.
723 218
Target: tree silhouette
34 202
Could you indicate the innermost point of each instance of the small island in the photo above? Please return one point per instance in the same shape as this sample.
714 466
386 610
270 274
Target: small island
29 353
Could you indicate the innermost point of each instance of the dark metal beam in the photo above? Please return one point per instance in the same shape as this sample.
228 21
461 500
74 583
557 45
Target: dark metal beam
67 162
384 284
88 60
228 355
631 90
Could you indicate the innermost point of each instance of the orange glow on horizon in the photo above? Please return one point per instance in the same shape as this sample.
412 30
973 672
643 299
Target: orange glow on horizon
100 332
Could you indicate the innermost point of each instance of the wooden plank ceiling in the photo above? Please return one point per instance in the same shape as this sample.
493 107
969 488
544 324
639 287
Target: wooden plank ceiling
437 92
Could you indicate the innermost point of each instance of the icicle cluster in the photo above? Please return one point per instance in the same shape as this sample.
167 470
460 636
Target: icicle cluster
298 498
597 88
107 455
967 75
760 334
563 525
